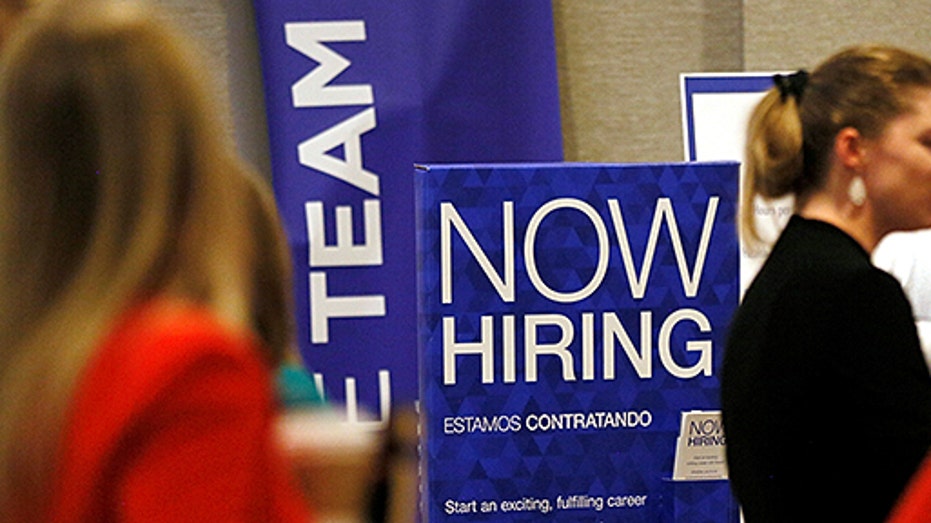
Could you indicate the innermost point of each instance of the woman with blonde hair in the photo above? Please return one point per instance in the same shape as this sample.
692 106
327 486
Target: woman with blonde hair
826 396
144 306
10 13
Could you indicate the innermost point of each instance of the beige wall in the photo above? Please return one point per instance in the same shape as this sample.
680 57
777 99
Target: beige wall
619 61
225 29
619 64
794 33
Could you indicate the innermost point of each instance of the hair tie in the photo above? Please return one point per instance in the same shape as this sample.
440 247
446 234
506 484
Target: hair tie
792 84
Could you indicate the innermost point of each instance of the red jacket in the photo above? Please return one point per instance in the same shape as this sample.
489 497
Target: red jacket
915 504
173 421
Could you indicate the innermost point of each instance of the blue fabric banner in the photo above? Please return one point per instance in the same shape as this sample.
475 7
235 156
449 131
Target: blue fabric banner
358 92
573 320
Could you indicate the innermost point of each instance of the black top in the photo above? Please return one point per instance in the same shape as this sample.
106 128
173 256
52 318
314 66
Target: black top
826 396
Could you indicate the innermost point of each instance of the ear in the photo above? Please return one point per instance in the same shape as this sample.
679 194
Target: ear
850 148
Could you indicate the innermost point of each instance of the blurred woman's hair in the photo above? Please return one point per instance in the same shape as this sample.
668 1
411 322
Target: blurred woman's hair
117 184
791 132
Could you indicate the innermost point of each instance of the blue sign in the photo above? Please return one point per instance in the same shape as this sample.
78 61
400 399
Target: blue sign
357 92
569 315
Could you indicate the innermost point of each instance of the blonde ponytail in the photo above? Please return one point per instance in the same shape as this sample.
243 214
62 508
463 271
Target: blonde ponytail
774 156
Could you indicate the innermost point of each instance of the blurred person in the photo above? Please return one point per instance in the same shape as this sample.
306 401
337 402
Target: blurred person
145 303
826 397
914 506
907 256
10 13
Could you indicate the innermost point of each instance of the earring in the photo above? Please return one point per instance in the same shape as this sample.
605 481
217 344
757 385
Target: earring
857 191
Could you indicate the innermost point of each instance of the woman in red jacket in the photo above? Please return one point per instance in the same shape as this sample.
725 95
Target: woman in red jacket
143 309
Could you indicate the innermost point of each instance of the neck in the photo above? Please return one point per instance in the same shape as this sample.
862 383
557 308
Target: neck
841 213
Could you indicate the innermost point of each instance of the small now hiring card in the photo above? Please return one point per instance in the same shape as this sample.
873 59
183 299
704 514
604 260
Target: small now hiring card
700 447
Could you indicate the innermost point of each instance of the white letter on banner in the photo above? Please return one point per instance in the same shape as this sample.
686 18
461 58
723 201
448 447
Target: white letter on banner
312 90
703 346
484 348
344 253
530 258
638 285
504 286
690 283
508 352
532 349
324 307
613 329
313 152
663 210
352 401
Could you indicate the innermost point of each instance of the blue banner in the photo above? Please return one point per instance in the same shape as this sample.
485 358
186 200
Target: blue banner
573 317
358 92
